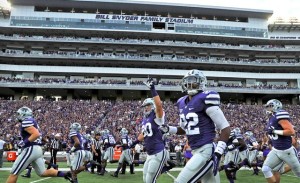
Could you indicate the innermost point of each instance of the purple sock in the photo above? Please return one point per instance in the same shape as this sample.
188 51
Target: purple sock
60 174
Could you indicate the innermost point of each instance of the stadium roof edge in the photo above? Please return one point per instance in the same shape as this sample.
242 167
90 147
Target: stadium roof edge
148 6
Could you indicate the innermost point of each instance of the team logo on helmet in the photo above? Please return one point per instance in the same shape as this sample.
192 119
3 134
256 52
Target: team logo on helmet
23 113
193 82
273 105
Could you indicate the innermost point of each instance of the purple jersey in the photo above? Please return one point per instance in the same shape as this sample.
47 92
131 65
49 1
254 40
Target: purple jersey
108 141
198 126
250 142
125 142
279 142
80 138
87 144
25 135
152 135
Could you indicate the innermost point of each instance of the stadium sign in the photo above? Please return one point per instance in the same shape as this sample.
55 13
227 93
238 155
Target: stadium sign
144 18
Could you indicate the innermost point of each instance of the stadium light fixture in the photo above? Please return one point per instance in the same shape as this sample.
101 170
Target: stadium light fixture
97 12
72 11
47 9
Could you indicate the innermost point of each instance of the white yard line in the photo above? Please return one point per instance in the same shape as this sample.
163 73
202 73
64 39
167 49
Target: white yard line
41 179
171 176
290 175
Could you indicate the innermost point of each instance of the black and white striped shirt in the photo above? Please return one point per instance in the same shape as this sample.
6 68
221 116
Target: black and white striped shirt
55 144
97 144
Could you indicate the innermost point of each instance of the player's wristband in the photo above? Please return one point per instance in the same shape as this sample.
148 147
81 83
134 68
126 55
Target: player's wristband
153 92
73 149
172 129
220 147
278 132
230 147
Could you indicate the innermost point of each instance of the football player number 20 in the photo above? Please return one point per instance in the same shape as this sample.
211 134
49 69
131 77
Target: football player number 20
189 122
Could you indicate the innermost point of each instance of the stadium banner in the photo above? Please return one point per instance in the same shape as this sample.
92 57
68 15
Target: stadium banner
144 18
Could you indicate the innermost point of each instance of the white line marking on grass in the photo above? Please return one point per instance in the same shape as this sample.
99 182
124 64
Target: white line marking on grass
290 175
171 176
41 179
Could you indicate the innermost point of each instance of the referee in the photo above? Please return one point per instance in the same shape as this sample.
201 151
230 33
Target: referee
54 147
96 149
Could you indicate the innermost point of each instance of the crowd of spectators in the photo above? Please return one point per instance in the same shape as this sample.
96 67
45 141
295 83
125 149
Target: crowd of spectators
148 41
62 81
56 116
161 83
147 56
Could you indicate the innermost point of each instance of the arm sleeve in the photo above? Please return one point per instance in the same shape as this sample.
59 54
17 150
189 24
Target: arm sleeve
160 121
217 116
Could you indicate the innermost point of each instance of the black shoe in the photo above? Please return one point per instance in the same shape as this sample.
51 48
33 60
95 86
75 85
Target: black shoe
101 173
132 173
123 173
27 176
114 175
92 172
247 163
68 176
95 163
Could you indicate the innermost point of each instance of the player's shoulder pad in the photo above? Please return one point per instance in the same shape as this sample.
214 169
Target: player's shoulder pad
181 99
27 123
239 136
72 133
212 98
282 114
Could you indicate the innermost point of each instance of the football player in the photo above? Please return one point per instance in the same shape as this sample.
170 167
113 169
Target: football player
152 135
200 115
237 150
79 152
252 145
32 151
126 153
280 131
108 142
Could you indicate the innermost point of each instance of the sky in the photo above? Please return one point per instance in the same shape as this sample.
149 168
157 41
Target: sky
281 8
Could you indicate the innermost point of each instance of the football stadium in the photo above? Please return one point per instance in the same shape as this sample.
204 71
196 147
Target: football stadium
141 91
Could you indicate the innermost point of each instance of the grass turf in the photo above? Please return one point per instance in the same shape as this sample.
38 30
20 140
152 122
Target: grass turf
243 176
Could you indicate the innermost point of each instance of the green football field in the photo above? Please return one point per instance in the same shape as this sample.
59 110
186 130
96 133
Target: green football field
243 176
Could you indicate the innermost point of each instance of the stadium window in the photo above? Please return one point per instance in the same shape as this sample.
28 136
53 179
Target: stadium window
102 21
127 22
159 25
82 20
47 19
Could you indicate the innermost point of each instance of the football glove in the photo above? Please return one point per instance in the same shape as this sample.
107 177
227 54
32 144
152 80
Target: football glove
216 159
150 83
23 143
271 130
164 129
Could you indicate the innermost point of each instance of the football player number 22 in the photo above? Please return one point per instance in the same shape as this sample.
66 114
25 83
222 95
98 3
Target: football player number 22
189 122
